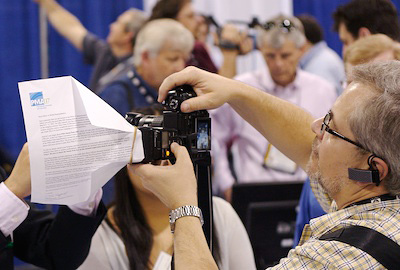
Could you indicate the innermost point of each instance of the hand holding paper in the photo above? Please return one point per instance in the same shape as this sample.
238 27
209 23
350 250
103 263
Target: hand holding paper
19 181
77 142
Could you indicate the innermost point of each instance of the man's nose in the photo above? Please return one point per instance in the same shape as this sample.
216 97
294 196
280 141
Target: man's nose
316 128
278 62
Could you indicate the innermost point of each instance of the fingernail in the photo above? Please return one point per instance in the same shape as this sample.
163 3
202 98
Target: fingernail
185 107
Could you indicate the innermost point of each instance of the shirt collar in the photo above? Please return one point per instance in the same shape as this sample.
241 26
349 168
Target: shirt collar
325 223
310 54
271 87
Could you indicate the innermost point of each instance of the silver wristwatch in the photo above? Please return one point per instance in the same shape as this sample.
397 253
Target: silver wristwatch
183 211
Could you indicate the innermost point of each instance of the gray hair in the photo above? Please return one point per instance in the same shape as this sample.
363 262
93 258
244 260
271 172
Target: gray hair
276 38
137 20
156 33
375 123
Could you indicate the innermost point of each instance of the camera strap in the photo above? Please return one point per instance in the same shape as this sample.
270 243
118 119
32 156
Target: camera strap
204 197
128 91
381 248
133 144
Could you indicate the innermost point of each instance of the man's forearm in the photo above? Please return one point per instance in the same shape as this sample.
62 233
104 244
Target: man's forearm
190 247
284 124
64 22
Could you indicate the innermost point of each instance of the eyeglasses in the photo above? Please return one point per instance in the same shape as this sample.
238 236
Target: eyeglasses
285 25
325 127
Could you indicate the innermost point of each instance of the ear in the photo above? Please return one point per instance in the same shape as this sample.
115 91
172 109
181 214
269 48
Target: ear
304 48
145 57
129 36
381 166
377 164
364 32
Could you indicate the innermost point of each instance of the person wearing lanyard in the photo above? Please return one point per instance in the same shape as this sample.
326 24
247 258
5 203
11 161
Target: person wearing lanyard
162 47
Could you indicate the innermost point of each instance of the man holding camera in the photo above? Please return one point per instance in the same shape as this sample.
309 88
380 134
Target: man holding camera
350 155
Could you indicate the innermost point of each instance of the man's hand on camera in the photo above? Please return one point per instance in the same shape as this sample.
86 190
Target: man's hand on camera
175 185
19 181
212 90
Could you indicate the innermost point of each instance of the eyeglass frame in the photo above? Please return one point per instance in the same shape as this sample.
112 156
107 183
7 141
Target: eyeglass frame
286 25
325 126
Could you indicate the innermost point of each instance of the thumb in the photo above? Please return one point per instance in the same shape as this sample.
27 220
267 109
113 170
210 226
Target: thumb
197 103
180 152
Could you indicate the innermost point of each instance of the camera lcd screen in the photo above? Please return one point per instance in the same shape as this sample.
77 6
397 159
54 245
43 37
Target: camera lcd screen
203 134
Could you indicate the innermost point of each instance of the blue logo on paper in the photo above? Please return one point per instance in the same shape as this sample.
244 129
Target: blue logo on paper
37 99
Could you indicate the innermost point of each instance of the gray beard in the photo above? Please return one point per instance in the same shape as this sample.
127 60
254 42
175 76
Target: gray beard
331 185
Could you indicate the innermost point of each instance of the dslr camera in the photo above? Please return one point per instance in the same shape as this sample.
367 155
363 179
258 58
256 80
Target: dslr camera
192 130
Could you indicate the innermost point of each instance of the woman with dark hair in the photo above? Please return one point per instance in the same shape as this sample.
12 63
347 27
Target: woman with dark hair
136 233
180 10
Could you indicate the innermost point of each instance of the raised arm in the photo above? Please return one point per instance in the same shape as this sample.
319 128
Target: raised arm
285 125
231 34
64 22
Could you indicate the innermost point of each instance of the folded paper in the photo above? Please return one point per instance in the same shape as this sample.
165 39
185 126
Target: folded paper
77 142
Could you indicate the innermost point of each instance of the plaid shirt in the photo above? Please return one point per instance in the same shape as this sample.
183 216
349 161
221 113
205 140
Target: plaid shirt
312 253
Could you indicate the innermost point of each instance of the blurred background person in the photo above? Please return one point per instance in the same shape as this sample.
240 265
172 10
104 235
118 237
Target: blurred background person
373 48
361 18
254 159
317 57
203 29
103 55
162 47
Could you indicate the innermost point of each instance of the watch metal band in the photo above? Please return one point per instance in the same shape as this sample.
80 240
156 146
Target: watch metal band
183 211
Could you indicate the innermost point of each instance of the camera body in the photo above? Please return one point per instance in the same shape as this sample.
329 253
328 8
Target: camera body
192 130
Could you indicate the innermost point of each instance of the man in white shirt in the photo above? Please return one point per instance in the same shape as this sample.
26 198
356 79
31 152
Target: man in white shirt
255 160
